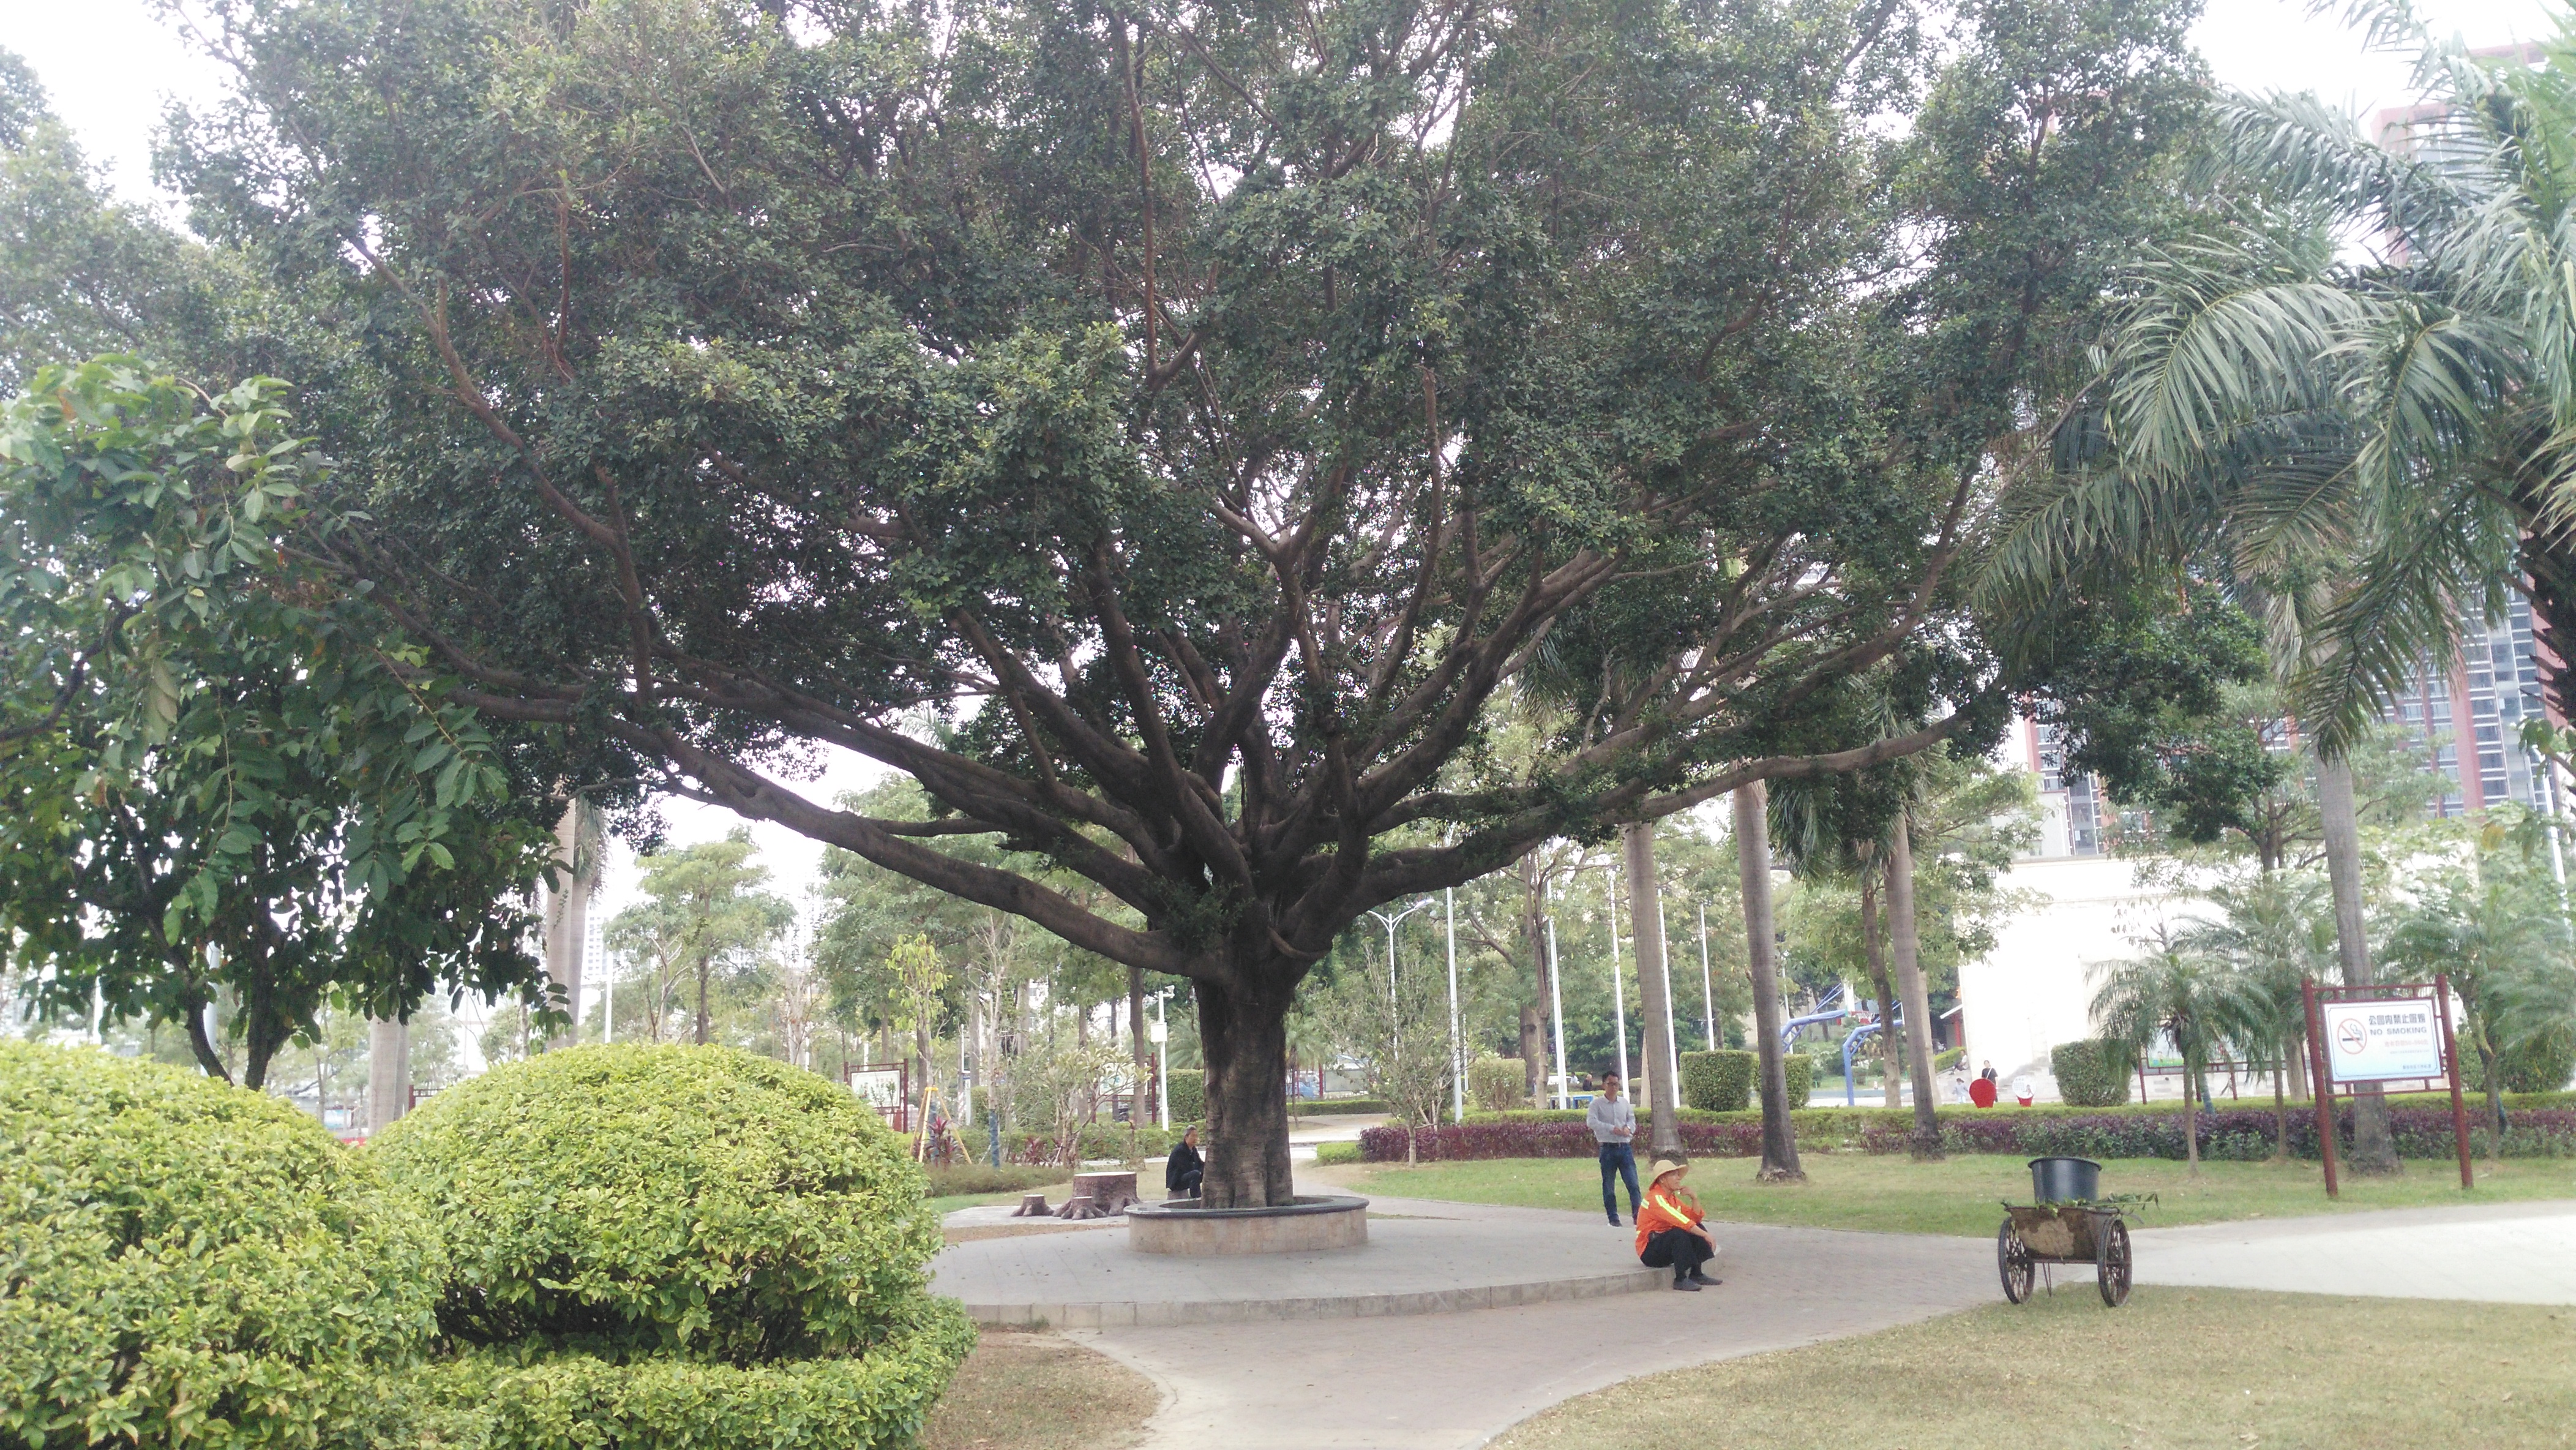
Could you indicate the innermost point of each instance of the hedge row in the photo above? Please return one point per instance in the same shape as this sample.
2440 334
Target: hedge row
2244 1132
2241 1134
1459 1141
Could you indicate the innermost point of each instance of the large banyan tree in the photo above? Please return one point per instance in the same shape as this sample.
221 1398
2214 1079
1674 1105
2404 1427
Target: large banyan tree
1169 433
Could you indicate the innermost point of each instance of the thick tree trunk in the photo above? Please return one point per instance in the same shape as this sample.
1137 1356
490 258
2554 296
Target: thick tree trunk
1906 945
1243 1040
1891 1072
1655 987
2374 1149
388 1073
1753 867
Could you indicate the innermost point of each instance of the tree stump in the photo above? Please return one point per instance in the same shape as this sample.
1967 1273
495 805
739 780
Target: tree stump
1032 1205
1098 1195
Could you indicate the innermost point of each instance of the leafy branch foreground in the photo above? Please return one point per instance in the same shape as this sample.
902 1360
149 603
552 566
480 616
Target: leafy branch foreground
2264 1369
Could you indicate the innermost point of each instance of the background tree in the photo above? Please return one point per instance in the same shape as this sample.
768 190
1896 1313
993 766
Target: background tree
2182 996
704 919
2494 923
1394 1018
2276 930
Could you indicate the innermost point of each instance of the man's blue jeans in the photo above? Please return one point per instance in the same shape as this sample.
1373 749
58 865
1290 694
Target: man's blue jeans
1618 1160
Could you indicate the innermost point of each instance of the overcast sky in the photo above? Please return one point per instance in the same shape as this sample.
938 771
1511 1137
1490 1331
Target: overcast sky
112 67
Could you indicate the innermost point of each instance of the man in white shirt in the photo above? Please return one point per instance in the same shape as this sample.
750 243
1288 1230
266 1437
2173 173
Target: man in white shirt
1614 1129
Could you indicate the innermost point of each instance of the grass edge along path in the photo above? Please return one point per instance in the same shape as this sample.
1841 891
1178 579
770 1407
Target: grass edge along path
1960 1196
1029 1391
2175 1369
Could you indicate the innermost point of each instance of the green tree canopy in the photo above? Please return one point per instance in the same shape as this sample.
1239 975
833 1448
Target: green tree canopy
1162 433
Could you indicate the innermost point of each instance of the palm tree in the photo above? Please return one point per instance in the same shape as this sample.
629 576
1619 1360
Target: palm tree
2360 449
2175 992
2495 935
2276 931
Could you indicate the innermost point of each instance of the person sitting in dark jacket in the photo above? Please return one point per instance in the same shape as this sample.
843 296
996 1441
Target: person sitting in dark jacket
1182 1173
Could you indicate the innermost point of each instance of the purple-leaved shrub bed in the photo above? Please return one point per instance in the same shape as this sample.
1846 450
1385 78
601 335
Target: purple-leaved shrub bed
2244 1134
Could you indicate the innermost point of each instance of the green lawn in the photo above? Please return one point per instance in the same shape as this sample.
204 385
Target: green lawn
1893 1194
2176 1369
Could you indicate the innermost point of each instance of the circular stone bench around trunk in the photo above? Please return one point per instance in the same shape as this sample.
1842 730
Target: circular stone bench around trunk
1180 1226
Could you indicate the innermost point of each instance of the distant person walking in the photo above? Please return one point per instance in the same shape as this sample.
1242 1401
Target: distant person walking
1671 1231
1183 1170
1614 1129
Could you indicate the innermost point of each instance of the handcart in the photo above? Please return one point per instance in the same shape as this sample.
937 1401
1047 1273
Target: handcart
2070 1224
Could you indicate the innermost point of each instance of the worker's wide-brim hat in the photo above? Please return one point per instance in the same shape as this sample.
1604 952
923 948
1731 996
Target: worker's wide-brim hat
1668 1165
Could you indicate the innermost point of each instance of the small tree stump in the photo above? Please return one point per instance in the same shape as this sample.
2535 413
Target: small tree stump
1032 1205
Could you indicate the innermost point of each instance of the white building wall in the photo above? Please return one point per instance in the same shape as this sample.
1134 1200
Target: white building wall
2035 989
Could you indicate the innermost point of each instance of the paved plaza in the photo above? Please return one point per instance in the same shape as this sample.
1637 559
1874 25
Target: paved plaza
2511 1253
1403 1375
1421 1258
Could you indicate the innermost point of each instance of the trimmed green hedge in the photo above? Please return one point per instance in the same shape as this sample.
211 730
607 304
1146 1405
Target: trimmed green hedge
494 1399
1722 1081
2092 1072
192 1263
1188 1088
661 1200
2534 1067
1498 1083
1717 1082
1335 1107
1337 1153
1947 1058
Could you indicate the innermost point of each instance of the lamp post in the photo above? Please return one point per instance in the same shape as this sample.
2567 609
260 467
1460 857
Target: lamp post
1618 995
1457 1054
1394 1018
1707 998
1159 1033
1555 991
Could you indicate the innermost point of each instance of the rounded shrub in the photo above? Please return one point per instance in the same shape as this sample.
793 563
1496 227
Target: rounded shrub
2091 1072
700 1201
191 1263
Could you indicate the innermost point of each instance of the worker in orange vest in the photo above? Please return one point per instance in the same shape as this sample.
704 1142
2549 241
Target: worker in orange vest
1671 1231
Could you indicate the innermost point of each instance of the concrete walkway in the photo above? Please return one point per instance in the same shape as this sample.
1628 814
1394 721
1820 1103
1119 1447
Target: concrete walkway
2511 1253
1454 1381
1421 1258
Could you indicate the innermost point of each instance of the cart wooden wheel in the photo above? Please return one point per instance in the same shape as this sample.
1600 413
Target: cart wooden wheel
2012 1260
2111 1262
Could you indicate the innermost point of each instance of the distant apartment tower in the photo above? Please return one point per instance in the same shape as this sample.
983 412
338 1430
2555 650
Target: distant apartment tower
2476 703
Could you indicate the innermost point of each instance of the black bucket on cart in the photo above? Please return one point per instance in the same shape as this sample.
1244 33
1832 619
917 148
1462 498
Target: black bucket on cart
2065 1180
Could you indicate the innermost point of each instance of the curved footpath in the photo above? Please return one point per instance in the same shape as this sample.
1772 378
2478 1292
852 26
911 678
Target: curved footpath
1412 1380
